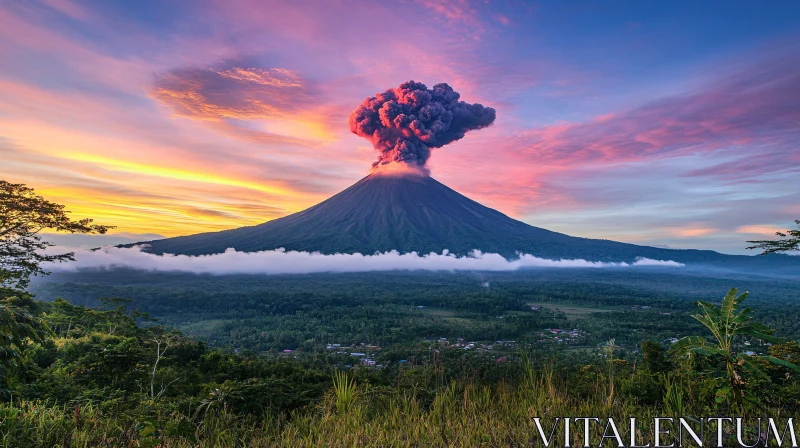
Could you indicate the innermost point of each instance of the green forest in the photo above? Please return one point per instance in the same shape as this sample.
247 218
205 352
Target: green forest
121 358
112 376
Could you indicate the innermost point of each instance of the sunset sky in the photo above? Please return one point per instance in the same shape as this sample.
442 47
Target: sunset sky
660 123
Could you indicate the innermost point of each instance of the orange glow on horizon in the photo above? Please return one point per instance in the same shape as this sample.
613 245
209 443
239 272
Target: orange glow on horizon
168 216
174 173
763 229
693 232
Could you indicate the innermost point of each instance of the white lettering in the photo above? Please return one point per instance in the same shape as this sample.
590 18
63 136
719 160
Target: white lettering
613 426
683 424
657 429
538 423
586 433
633 436
779 438
720 428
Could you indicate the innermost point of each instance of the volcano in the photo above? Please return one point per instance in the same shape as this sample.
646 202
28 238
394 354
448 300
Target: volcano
416 213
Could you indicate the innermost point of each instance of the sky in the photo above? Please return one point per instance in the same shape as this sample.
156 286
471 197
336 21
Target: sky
671 124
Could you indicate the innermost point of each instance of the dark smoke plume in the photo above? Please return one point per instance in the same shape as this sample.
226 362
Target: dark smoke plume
406 122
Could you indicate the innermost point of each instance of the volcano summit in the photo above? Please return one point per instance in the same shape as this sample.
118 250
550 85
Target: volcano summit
407 213
416 213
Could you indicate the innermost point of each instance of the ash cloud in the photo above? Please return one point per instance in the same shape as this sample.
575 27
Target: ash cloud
290 262
404 123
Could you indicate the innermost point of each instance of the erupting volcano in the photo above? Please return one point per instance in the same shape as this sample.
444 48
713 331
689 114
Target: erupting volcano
400 207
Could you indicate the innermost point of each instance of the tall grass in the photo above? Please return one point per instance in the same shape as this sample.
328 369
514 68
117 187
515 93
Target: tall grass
673 399
459 415
344 388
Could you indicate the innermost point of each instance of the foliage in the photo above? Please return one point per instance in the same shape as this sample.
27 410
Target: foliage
18 328
673 398
23 215
790 241
90 385
653 357
273 313
460 414
727 323
345 390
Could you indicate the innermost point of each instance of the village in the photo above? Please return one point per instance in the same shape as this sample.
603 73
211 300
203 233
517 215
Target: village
364 354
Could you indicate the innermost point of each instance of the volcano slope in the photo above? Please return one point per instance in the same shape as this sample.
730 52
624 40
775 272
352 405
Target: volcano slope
419 214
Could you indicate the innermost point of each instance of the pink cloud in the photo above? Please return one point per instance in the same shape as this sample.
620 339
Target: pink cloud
262 105
68 8
235 92
755 108
694 231
458 11
760 229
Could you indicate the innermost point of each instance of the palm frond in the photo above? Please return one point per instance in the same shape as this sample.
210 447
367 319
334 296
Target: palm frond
728 303
760 335
748 363
782 362
686 344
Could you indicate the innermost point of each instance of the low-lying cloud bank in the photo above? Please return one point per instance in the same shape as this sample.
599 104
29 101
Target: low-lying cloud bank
290 262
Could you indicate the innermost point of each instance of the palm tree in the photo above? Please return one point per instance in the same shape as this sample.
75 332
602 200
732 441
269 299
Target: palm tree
728 324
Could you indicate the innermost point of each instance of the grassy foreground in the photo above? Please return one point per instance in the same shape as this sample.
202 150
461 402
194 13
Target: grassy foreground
353 415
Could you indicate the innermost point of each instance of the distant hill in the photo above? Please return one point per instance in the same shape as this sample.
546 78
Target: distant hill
418 213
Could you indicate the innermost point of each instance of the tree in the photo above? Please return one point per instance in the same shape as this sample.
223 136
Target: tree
18 326
653 357
23 215
790 242
162 341
728 325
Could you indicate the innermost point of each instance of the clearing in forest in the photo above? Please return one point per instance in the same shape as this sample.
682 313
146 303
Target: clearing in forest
447 315
572 311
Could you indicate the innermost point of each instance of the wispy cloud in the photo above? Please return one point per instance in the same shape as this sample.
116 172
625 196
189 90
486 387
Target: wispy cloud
455 11
68 8
761 229
267 104
752 110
